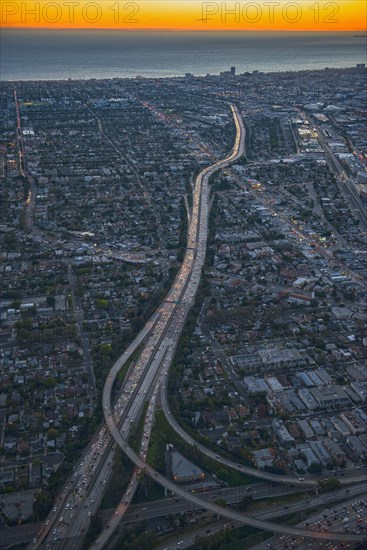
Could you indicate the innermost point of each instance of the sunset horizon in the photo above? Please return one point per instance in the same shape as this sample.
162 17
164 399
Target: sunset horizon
184 30
145 15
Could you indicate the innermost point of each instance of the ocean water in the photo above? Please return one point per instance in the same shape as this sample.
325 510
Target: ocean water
29 54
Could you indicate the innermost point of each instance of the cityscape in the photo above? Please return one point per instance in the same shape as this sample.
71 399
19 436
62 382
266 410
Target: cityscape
183 312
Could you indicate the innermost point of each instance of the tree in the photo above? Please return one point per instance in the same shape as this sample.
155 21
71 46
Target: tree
315 468
50 382
329 484
102 303
50 301
145 481
52 433
220 502
245 502
42 504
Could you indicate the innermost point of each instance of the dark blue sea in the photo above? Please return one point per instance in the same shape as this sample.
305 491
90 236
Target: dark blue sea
83 54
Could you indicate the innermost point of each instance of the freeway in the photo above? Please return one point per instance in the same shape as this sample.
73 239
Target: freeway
174 309
155 509
164 335
31 199
171 505
184 290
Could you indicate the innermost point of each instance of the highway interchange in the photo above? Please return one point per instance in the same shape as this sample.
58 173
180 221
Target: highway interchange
145 382
171 505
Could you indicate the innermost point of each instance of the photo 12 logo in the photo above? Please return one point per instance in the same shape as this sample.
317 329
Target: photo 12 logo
270 12
72 12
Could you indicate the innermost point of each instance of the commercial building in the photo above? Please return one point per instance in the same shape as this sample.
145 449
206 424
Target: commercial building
183 470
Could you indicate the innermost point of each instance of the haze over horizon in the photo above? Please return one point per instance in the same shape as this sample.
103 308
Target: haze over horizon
62 54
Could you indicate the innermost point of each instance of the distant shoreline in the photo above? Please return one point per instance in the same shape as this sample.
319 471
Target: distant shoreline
155 78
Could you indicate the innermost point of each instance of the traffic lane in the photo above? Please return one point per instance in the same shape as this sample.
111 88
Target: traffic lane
171 506
339 512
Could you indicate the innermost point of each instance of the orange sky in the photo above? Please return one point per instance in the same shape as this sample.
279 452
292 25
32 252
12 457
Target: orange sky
287 15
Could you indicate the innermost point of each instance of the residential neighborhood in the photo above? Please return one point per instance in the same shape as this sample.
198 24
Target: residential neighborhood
98 191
